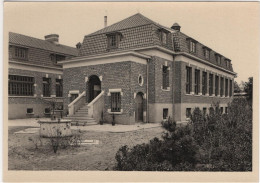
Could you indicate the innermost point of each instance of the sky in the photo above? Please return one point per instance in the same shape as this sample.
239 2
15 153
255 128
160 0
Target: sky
230 28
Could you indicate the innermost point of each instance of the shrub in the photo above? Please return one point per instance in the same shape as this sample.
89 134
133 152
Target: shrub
176 151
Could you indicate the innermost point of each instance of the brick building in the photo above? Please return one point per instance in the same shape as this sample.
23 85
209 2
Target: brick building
138 70
35 78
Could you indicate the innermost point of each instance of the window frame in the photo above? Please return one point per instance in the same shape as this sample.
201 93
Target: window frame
113 40
165 113
197 82
115 101
226 87
46 87
20 53
206 50
221 86
188 113
165 77
204 82
211 84
188 80
59 87
20 85
216 85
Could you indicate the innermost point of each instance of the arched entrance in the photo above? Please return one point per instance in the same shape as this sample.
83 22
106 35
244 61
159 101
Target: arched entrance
139 107
94 87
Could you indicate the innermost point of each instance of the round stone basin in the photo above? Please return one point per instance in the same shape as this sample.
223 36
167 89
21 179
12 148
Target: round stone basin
55 128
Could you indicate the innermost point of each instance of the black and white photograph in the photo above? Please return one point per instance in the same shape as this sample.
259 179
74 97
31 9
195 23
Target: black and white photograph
141 87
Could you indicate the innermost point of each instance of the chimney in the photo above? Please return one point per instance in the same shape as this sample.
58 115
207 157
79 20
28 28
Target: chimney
176 27
105 21
52 38
78 45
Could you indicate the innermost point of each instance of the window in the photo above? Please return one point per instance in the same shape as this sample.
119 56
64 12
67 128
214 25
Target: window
113 40
47 111
221 86
29 110
20 85
46 87
230 88
218 59
140 80
204 83
210 84
165 113
216 85
165 76
192 47
188 80
206 53
226 110
197 81
115 102
21 53
226 87
59 88
164 38
55 58
188 112
221 110
204 111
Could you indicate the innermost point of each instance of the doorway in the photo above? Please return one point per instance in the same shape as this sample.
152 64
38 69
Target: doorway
94 87
139 107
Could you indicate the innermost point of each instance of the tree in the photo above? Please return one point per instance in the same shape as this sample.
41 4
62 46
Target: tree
236 87
249 88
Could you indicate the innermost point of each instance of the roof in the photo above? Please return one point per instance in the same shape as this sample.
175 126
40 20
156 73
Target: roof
130 22
28 41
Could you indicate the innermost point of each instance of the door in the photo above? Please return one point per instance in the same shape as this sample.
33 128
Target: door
94 87
139 107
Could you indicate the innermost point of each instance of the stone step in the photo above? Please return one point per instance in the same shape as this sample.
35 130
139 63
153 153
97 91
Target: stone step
81 112
82 123
80 117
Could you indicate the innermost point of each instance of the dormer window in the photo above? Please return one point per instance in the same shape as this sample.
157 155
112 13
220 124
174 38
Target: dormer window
206 52
192 45
21 53
55 58
227 63
218 59
163 33
113 40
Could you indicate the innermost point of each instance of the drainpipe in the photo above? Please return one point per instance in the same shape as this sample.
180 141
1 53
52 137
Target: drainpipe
173 81
147 92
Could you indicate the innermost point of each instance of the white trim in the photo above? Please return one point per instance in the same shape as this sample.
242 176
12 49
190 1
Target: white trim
134 95
74 92
105 58
34 68
142 83
53 96
109 111
47 75
101 78
115 90
144 96
86 79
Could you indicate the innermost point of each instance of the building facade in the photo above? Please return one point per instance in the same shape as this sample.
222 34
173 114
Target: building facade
137 70
35 78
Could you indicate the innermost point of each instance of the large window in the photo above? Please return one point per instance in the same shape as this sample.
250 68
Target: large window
59 88
204 83
230 88
115 102
221 87
20 85
21 53
165 76
188 80
216 85
197 81
226 87
210 84
46 87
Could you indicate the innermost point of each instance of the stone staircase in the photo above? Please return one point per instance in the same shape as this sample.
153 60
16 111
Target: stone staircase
81 117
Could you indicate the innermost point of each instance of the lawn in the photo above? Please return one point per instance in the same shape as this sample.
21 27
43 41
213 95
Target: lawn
23 155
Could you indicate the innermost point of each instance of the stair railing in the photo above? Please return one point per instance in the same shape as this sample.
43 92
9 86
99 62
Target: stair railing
77 103
95 107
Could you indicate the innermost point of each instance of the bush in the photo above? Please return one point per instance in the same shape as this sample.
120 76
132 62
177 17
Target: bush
176 151
225 140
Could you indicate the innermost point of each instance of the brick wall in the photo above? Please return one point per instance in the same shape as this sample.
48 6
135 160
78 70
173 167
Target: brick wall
37 56
180 89
37 102
122 75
